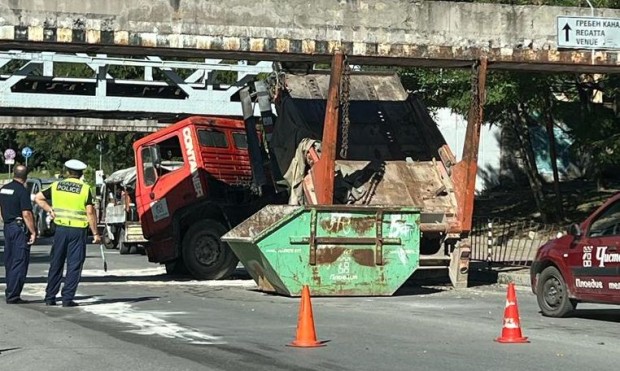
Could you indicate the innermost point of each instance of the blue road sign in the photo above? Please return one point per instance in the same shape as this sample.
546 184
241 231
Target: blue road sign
27 152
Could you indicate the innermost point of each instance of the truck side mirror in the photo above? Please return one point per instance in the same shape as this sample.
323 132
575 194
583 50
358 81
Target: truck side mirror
575 230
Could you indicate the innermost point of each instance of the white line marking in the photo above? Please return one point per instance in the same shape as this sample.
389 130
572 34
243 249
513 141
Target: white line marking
149 322
143 322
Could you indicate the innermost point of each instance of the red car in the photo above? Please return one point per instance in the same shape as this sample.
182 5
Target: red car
581 266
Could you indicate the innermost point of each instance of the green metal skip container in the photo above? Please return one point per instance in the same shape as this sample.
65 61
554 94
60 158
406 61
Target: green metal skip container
337 250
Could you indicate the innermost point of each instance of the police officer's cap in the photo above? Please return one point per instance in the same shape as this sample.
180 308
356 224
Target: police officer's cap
74 164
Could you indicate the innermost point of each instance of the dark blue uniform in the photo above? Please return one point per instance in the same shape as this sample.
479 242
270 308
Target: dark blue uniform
14 199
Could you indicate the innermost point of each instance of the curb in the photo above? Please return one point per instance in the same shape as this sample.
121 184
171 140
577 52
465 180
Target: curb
520 277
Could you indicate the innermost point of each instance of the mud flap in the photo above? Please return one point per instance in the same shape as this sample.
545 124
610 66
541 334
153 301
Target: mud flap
459 265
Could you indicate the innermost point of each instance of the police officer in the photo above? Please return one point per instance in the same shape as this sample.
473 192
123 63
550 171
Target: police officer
73 212
16 209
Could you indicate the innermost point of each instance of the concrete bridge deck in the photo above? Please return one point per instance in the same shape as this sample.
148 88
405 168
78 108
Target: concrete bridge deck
391 32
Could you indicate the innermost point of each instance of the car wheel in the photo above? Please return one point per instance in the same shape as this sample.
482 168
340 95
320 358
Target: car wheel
107 242
205 255
552 294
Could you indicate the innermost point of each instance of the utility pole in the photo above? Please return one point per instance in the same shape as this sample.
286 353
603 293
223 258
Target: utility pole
100 149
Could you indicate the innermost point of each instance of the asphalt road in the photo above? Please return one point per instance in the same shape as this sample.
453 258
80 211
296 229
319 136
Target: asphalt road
134 317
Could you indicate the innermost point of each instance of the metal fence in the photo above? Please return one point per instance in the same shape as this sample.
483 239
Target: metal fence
508 243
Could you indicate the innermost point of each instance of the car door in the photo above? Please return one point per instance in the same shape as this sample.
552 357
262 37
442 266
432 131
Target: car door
164 184
34 187
595 261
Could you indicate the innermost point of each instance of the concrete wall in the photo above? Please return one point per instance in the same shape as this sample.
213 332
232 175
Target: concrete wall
426 31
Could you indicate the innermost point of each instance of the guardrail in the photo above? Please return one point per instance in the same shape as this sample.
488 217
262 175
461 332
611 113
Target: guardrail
512 243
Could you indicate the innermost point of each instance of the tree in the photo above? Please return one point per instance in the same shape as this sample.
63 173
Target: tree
518 101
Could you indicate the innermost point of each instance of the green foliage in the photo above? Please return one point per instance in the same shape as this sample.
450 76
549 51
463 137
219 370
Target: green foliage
565 98
51 150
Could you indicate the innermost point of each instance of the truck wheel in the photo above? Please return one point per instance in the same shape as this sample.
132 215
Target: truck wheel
123 248
552 294
205 255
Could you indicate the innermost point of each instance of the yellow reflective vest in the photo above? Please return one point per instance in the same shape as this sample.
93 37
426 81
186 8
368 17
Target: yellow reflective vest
69 198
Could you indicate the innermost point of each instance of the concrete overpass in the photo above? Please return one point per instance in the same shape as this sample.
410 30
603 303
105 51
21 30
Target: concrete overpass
391 32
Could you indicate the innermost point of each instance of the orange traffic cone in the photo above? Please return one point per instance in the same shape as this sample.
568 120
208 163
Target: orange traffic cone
306 336
511 330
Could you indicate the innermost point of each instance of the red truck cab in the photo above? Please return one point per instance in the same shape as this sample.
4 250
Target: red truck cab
581 266
193 184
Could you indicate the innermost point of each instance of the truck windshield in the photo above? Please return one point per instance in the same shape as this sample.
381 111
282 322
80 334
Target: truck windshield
212 138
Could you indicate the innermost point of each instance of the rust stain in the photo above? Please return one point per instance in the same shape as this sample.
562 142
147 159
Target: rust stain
316 277
257 44
283 45
148 40
328 255
308 46
363 225
231 43
365 257
262 281
121 38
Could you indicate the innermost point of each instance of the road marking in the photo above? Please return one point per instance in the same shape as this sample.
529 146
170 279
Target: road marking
149 322
151 273
142 322
123 272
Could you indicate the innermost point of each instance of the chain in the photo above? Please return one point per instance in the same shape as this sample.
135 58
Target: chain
344 104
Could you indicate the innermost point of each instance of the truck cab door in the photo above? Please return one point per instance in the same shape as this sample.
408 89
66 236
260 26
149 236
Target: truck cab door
595 261
159 180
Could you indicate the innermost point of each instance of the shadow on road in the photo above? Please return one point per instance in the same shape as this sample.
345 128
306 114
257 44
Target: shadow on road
607 315
99 300
113 279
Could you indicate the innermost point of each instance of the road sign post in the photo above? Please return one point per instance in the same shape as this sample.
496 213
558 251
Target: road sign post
588 33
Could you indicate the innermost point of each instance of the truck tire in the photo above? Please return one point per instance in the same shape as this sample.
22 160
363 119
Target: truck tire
134 248
205 255
123 248
552 294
